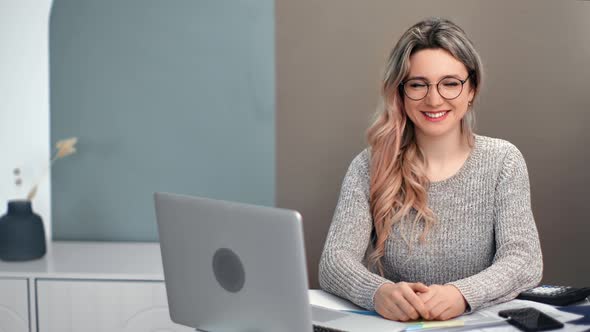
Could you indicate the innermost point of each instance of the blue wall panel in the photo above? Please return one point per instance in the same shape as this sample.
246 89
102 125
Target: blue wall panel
172 95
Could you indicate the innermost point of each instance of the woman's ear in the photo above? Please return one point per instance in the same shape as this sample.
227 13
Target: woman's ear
471 94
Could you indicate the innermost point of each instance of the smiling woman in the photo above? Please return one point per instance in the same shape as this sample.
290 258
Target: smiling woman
433 220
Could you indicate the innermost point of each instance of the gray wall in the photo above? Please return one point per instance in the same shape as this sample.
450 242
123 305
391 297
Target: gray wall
171 96
537 58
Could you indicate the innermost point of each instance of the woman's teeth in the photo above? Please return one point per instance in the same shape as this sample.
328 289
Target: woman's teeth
435 115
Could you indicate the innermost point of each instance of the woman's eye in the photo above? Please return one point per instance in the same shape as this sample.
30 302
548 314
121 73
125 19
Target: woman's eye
417 85
451 84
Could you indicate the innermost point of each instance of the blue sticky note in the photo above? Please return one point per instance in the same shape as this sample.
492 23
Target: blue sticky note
364 312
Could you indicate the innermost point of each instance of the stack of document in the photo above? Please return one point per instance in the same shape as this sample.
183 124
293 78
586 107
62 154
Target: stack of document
485 320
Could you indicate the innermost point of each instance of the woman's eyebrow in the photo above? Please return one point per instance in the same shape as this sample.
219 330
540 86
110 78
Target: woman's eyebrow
416 78
440 78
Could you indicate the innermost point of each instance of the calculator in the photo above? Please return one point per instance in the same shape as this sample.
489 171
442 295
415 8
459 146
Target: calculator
555 295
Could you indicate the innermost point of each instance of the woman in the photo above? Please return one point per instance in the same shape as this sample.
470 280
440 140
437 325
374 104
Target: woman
433 220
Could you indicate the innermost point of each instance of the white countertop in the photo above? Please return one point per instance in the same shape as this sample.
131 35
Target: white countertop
92 260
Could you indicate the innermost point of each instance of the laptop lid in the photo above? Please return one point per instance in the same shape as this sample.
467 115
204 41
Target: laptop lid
233 267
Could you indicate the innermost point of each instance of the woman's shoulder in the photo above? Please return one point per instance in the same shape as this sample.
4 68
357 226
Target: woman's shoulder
358 173
491 146
360 163
498 153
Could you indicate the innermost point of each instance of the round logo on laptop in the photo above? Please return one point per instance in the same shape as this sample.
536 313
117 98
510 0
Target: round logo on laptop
228 270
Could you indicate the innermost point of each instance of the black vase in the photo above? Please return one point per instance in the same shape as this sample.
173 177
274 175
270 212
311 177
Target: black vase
22 235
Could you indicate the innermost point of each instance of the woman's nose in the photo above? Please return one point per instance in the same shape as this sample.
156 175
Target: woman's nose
433 98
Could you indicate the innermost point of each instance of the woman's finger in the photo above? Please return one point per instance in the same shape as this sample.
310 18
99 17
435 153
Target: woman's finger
398 313
447 314
388 309
417 303
399 297
419 287
426 297
438 309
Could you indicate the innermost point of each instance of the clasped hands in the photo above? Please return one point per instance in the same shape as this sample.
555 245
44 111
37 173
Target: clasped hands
404 301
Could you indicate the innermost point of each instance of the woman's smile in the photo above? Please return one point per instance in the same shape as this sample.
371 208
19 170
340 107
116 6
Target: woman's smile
436 116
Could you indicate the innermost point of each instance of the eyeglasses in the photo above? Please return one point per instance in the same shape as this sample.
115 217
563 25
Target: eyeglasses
448 87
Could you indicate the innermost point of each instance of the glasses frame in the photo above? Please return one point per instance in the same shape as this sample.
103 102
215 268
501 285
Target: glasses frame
401 86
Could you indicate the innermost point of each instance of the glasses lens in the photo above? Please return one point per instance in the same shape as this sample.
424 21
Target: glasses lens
416 89
450 88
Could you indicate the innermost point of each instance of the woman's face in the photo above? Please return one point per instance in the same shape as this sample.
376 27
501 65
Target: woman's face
434 115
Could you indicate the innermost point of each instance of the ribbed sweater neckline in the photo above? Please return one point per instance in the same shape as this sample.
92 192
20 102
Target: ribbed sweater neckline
463 171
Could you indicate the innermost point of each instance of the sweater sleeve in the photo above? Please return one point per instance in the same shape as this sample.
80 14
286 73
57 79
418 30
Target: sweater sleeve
341 270
518 262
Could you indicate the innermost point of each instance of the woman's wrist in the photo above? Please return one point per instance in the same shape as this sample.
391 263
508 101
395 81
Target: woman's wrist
461 300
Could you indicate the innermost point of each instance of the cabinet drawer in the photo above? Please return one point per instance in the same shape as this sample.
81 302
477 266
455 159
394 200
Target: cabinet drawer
14 305
81 305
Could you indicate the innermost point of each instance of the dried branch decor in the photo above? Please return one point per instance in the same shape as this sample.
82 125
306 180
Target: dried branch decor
65 148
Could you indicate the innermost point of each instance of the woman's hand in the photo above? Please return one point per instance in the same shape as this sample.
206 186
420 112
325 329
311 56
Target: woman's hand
443 302
400 301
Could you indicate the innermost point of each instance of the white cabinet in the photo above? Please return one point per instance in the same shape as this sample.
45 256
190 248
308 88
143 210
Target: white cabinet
14 305
87 286
97 306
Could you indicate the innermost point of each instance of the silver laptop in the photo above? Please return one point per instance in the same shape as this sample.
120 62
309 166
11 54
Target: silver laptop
237 267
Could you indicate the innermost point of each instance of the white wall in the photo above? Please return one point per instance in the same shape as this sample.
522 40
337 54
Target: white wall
24 101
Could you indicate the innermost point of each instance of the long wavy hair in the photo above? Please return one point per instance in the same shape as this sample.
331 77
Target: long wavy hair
398 179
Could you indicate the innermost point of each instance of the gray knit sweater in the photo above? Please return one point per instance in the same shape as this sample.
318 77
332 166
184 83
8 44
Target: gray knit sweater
485 241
